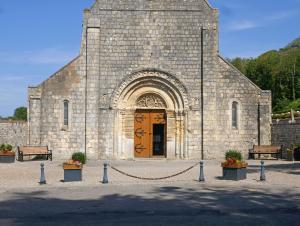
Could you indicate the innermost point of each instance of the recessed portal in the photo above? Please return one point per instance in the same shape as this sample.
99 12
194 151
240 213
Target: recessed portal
150 133
158 139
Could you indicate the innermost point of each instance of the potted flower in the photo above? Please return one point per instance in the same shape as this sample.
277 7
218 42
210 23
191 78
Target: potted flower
73 168
6 154
234 168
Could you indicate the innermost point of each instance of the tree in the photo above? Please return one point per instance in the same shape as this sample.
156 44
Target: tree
20 114
278 71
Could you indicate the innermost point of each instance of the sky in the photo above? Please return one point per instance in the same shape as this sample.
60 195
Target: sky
39 37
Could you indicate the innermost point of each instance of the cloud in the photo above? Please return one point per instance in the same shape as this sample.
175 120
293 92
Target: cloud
11 78
242 25
44 56
239 25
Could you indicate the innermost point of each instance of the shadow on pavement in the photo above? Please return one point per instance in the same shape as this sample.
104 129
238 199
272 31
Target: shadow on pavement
168 205
283 168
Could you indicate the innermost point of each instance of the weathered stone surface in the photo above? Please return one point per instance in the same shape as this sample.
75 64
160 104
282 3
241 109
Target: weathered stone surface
14 133
135 48
286 133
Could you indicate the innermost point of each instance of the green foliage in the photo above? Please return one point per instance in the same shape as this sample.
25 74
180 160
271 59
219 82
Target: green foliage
20 114
294 44
6 147
285 105
278 71
2 147
294 146
241 64
233 154
79 156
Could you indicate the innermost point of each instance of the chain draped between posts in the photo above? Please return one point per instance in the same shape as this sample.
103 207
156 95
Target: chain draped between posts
149 178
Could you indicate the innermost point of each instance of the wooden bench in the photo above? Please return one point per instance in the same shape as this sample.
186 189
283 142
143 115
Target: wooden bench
265 149
34 151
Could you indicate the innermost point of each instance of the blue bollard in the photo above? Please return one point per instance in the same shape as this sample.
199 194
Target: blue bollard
262 171
201 177
43 178
105 177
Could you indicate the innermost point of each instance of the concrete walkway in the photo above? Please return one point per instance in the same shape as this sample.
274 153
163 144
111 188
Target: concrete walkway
125 201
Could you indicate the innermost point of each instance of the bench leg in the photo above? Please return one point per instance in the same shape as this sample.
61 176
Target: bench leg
251 156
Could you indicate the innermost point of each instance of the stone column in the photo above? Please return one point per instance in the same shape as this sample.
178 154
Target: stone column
34 116
265 117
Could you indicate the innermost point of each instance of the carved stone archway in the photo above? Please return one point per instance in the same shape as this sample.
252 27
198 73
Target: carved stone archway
152 78
150 90
151 101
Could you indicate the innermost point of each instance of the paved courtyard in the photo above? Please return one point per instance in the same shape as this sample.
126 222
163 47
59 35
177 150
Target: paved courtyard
125 201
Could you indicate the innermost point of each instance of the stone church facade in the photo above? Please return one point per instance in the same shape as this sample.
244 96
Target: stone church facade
149 82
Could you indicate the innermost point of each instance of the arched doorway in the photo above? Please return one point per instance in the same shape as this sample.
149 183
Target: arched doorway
151 112
150 132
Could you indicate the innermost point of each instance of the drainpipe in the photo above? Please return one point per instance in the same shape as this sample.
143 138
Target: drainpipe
86 78
258 123
202 95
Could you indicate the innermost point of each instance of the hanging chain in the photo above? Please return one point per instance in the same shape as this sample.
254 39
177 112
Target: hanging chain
149 178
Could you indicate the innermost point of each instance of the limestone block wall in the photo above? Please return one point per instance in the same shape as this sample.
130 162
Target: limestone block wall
156 35
233 86
46 111
34 115
14 133
265 111
286 134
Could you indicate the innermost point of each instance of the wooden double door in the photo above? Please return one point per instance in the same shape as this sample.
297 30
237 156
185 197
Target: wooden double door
150 133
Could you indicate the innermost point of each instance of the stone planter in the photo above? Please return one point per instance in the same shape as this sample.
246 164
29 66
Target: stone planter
235 172
9 157
72 172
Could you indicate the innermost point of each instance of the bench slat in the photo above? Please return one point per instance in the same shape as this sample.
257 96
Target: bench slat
266 149
33 150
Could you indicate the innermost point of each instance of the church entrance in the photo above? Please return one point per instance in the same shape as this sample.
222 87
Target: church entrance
150 133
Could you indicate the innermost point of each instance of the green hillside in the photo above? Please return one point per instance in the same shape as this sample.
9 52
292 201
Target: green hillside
278 71
294 44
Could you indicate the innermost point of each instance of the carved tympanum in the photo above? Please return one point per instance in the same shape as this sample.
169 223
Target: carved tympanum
151 101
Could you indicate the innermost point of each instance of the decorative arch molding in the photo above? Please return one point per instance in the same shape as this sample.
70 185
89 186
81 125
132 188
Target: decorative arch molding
168 88
151 100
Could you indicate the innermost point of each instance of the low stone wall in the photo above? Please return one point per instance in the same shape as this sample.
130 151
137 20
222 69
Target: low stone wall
14 133
286 133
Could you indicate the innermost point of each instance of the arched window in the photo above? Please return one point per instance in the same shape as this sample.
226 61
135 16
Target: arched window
235 106
66 112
